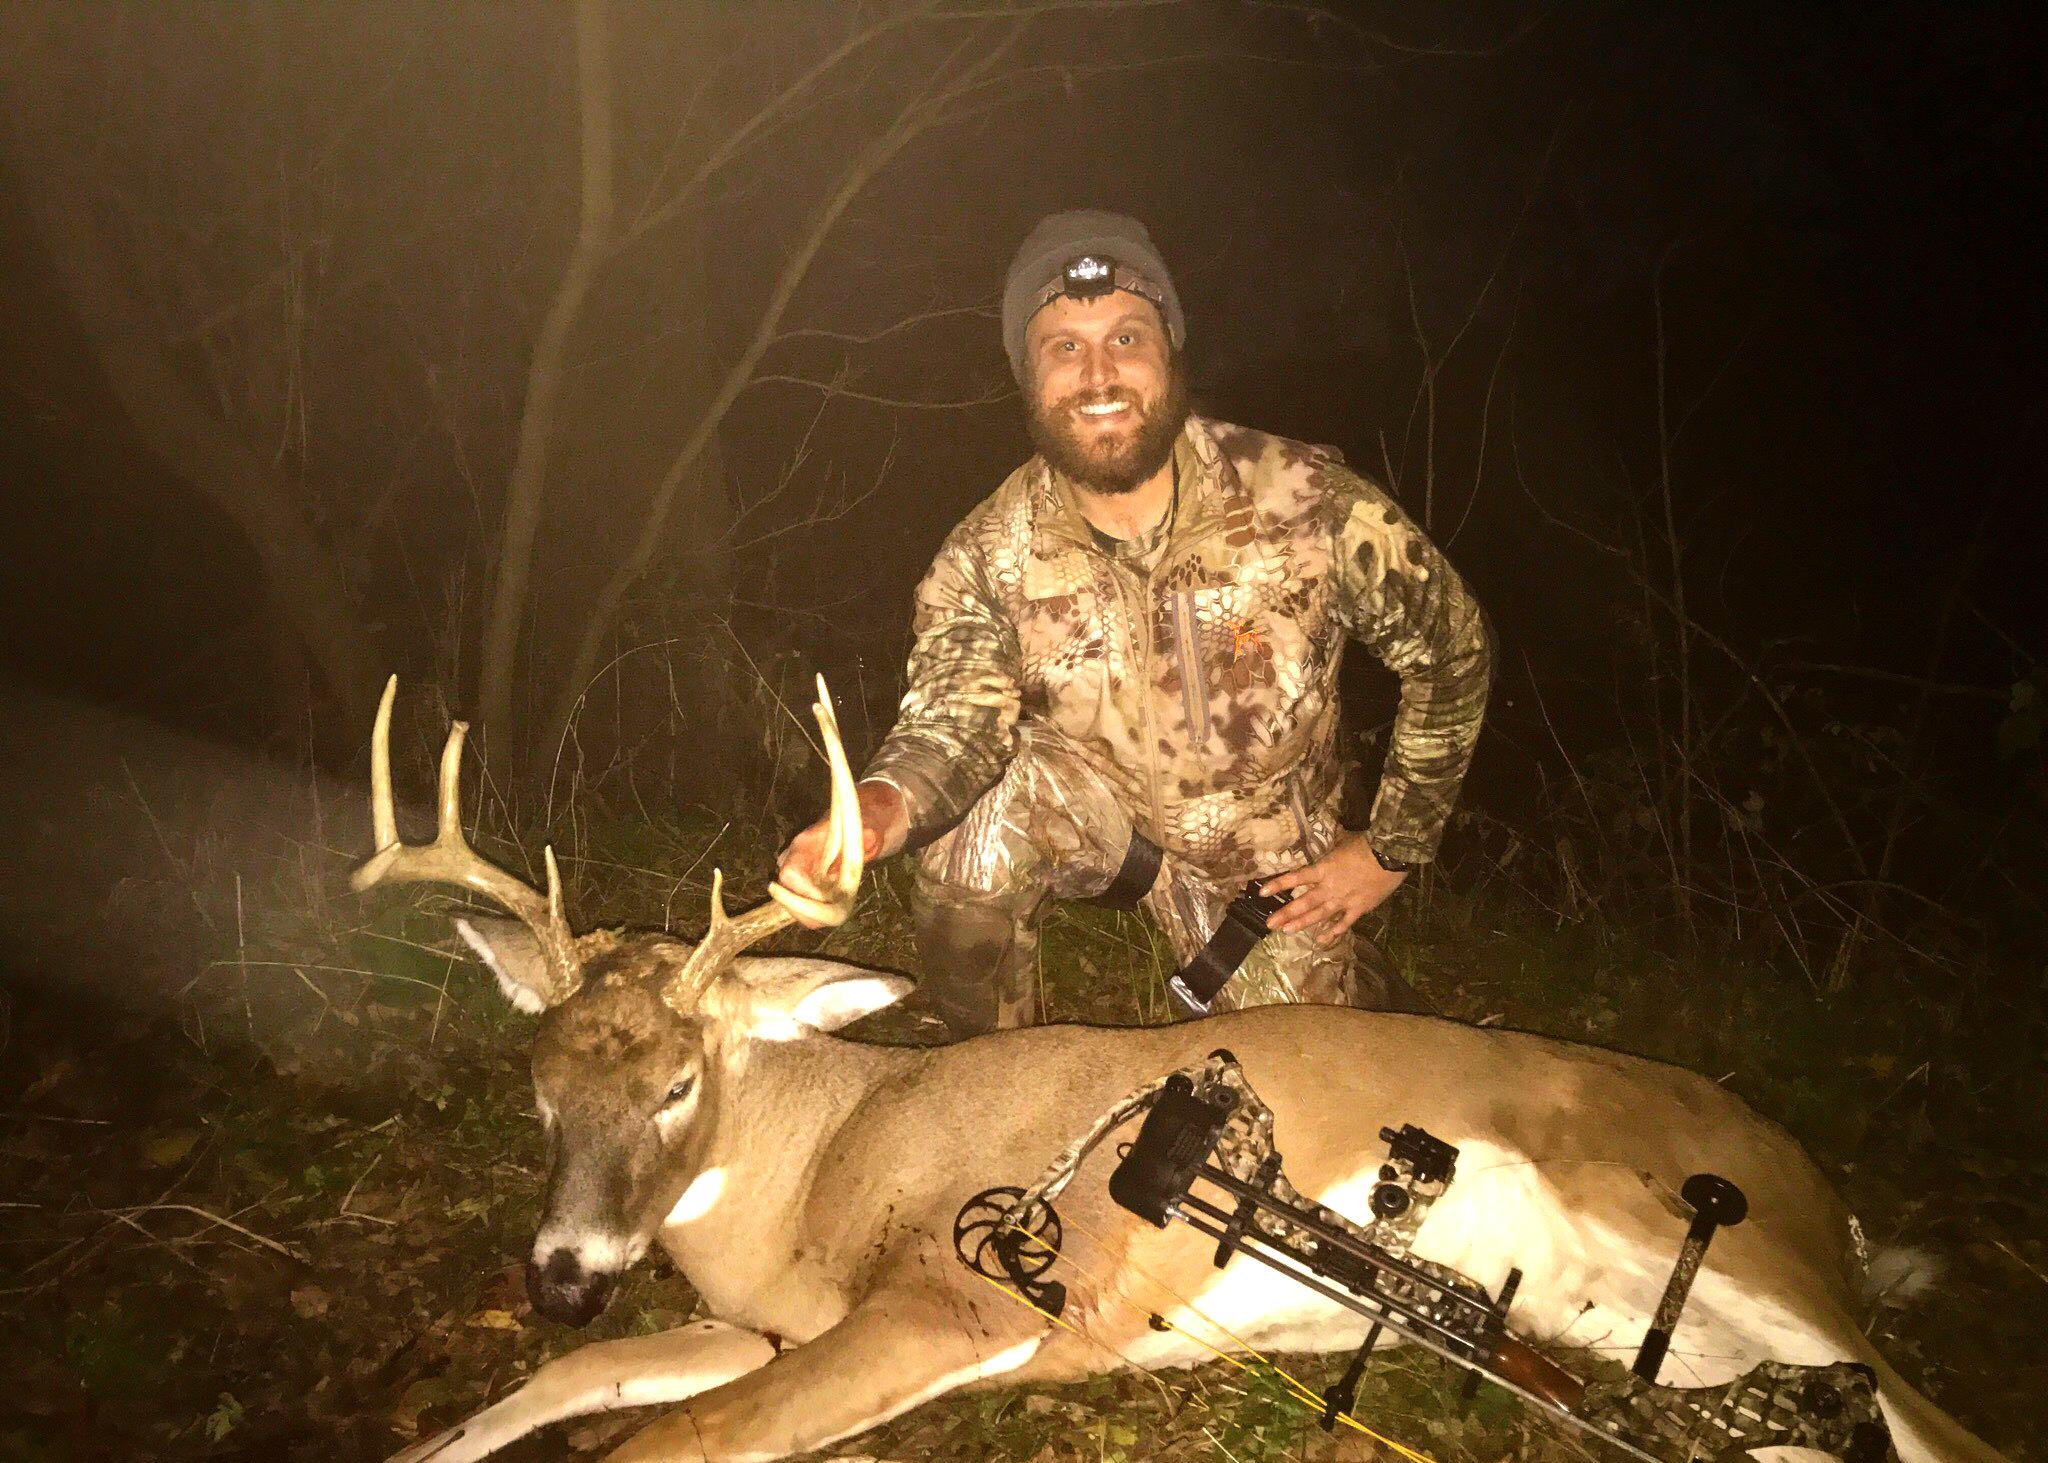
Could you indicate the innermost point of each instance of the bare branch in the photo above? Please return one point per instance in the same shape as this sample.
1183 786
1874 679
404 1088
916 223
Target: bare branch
1319 16
916 117
836 389
546 377
923 317
1896 678
846 504
736 141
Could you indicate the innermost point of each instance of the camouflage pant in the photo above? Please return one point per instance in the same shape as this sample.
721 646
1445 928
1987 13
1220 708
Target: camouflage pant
1053 828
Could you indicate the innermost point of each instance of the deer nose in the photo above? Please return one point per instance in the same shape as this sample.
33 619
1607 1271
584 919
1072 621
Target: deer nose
562 1290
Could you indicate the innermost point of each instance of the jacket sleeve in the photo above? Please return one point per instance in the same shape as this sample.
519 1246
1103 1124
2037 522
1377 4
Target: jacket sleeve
957 726
1401 598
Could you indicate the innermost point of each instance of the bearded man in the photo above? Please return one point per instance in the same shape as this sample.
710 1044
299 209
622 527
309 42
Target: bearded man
1124 683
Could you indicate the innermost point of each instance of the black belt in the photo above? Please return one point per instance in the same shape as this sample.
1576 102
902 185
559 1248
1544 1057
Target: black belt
1209 970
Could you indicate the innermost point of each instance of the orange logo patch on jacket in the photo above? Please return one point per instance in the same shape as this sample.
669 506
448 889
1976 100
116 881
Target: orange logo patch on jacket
1246 639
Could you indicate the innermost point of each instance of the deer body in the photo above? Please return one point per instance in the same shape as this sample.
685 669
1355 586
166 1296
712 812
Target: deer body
840 1167
807 1186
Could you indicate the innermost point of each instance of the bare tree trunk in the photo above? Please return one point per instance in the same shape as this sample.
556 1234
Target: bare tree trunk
545 383
685 470
301 577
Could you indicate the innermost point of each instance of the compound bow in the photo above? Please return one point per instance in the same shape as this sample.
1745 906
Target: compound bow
1205 1123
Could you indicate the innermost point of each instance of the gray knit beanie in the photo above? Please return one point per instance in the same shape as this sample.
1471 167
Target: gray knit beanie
1061 237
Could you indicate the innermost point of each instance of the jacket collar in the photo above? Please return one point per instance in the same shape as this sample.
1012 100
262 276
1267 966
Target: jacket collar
1215 534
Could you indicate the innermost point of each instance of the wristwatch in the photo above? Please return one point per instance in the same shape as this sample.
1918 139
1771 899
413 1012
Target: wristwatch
1391 865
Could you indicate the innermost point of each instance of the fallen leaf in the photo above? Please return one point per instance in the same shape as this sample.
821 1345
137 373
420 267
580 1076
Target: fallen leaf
310 1302
168 1148
416 1399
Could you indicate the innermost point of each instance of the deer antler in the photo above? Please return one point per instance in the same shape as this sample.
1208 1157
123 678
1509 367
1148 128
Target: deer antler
728 936
450 860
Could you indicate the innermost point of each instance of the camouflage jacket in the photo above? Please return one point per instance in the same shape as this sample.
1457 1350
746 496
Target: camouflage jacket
1205 685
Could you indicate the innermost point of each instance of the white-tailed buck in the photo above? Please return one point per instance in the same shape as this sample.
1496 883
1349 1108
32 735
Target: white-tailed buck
809 1186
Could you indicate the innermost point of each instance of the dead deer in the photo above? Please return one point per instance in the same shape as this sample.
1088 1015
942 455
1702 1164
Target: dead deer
807 1185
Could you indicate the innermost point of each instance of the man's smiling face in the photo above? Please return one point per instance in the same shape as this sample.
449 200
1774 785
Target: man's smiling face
1104 397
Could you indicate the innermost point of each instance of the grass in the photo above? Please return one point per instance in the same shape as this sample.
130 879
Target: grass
284 1219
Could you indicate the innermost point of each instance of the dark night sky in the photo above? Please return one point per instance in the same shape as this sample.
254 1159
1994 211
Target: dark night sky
1843 198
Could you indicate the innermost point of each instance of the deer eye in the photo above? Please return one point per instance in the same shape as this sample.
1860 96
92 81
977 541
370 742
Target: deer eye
679 1091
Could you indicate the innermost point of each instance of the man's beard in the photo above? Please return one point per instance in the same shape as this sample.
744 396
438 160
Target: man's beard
1109 462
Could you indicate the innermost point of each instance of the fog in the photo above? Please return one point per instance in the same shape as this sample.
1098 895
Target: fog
605 370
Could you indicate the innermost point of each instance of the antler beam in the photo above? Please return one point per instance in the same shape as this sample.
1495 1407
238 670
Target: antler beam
449 859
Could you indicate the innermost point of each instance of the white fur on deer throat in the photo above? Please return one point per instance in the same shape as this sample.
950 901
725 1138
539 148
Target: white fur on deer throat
705 1190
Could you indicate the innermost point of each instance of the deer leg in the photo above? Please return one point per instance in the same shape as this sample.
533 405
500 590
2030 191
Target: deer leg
897 1350
638 1371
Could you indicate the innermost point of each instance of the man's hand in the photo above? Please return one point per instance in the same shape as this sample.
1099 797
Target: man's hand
1331 893
884 824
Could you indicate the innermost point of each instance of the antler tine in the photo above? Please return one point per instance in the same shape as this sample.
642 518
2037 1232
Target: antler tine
449 859
383 813
844 836
547 857
727 937
448 793
713 951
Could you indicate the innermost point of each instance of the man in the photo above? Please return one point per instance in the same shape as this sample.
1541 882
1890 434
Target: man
1124 683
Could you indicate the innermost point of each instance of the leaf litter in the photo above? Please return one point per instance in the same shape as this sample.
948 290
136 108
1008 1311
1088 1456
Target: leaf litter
212 1252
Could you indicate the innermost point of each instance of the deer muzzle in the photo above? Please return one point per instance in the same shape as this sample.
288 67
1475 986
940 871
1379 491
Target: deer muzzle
562 1288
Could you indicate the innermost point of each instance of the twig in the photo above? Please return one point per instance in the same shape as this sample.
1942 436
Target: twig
127 1215
1898 678
2024 1263
343 1211
1681 621
834 389
159 1241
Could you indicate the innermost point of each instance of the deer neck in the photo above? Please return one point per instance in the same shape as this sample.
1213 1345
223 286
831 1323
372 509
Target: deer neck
738 1230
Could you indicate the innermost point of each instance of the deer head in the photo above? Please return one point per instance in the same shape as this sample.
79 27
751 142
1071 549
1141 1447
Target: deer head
638 1032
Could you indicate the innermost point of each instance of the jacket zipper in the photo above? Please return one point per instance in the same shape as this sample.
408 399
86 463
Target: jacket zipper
1194 685
1143 614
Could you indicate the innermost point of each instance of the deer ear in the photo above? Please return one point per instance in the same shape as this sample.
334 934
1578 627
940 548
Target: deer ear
782 998
514 956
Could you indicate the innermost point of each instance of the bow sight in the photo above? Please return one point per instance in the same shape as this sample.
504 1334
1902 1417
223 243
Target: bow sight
1204 1125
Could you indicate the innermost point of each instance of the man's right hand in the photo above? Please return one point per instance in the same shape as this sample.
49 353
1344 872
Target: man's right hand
884 823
